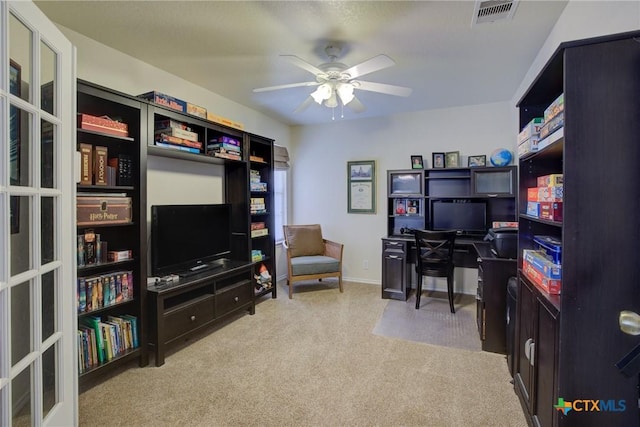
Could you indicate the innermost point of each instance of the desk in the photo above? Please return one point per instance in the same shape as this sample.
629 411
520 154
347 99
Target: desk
398 264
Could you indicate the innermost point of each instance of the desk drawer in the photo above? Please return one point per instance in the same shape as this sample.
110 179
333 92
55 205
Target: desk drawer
390 245
231 298
188 316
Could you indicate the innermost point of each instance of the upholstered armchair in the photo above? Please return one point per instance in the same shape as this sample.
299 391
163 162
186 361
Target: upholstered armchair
309 256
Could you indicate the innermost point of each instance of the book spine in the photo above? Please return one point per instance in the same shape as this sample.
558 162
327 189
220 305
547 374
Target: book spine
86 162
100 165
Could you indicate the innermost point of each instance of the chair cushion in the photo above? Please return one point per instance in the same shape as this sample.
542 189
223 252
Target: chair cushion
318 264
304 240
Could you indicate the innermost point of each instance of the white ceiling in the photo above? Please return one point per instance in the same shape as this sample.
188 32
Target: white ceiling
234 46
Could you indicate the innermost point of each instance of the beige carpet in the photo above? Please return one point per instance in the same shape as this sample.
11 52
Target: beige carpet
310 361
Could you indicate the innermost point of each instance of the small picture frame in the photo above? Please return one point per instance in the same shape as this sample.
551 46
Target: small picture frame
452 159
437 160
475 161
416 162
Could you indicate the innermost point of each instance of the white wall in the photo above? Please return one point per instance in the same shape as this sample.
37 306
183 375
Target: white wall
319 172
583 19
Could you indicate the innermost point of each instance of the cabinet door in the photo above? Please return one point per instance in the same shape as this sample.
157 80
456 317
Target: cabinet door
545 367
394 271
493 182
525 336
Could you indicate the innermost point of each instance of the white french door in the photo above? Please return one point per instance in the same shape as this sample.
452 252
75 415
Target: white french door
38 373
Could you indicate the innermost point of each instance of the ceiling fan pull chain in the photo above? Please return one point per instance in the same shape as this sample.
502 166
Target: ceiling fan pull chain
333 113
341 111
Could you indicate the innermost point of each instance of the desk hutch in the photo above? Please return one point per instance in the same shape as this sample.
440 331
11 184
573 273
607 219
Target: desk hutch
411 207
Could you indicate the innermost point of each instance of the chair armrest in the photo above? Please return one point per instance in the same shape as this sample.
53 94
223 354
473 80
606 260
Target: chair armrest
333 249
284 244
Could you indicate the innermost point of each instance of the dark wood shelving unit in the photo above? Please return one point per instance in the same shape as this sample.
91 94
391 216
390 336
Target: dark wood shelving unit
567 346
99 101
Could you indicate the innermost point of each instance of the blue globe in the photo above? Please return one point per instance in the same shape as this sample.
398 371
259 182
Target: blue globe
501 157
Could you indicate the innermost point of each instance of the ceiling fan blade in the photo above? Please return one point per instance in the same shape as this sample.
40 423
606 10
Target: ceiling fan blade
356 106
298 62
287 86
305 104
369 66
383 88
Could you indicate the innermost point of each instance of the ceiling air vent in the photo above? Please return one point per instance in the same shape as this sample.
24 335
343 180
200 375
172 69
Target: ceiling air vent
493 10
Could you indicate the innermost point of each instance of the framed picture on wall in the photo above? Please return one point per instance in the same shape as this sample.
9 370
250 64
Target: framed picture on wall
361 186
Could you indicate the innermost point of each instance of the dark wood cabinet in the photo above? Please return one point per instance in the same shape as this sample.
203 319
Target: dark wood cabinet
537 344
395 274
491 297
577 341
125 279
180 309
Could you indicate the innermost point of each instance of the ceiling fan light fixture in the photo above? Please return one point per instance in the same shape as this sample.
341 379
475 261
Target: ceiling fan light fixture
345 92
323 92
332 101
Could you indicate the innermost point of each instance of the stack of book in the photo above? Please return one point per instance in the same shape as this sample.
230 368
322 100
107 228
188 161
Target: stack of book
255 182
259 229
177 135
100 341
225 147
257 205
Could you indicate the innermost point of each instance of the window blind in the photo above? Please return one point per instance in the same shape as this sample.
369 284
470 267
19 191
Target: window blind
280 157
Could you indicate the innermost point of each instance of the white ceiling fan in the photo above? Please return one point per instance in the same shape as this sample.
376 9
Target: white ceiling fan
336 82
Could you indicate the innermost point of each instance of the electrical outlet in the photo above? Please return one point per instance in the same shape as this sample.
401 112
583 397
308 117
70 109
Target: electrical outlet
365 264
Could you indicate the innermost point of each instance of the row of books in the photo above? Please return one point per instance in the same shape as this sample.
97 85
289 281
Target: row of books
96 168
257 205
100 341
105 290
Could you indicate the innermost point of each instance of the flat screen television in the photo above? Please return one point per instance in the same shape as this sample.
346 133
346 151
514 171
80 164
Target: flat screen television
189 238
402 183
463 215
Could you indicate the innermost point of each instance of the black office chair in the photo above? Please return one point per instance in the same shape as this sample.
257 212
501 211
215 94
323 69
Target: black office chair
434 255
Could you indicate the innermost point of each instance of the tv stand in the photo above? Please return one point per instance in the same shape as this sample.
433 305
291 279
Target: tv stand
197 301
